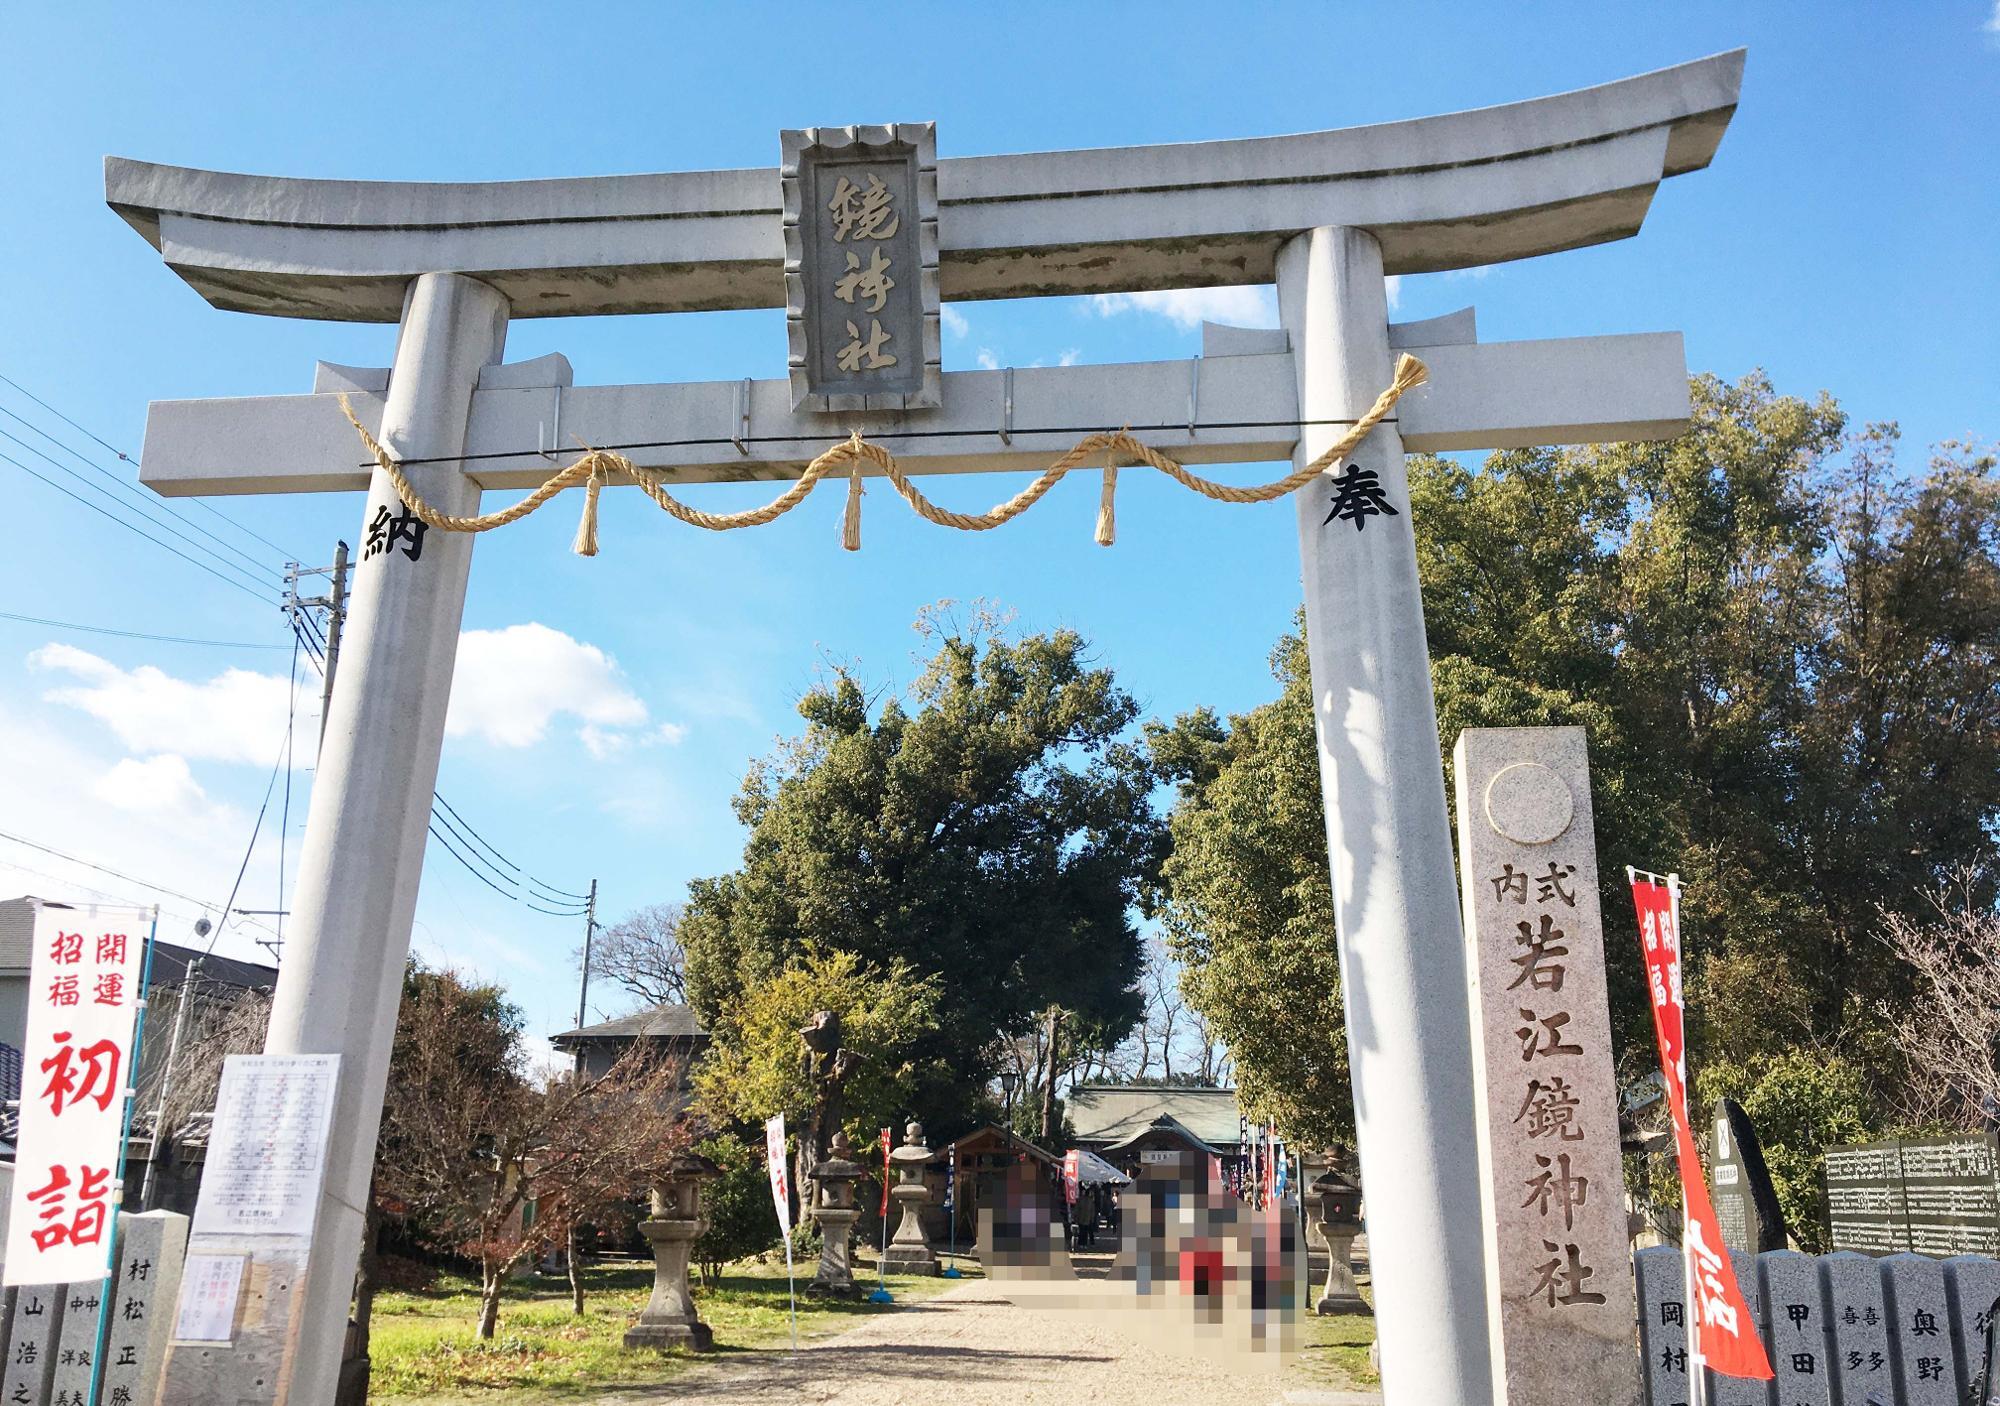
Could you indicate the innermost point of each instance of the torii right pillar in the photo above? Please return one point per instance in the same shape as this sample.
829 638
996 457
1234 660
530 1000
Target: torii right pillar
1395 897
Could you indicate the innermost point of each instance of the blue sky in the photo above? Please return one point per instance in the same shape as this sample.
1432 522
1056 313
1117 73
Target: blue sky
1843 240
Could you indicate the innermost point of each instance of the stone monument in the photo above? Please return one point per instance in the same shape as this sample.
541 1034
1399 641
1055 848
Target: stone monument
833 1207
152 1248
1553 1185
669 1318
1323 215
1339 1221
910 1249
1747 1212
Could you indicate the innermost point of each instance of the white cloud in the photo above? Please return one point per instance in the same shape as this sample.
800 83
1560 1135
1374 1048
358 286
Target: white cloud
1392 286
237 716
511 683
672 734
161 785
1188 308
1992 25
1070 357
145 818
987 360
953 320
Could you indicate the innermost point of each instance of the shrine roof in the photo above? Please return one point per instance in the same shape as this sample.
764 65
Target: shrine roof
1109 1114
1451 191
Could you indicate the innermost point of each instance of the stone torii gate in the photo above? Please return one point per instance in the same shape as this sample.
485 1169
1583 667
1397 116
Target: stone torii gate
1325 216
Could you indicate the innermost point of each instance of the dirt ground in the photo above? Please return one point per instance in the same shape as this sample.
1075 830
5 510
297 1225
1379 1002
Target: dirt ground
969 1347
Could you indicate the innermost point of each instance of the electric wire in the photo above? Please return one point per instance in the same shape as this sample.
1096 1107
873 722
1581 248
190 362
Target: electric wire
167 547
202 903
195 542
133 634
149 505
456 827
1179 426
123 457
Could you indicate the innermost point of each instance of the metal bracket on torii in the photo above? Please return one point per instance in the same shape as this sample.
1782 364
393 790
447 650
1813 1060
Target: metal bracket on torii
1325 215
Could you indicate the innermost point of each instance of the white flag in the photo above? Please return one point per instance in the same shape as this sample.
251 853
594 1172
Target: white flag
83 991
781 1193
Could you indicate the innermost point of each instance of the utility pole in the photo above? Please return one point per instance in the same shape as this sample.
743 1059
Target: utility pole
186 1001
336 614
335 604
1049 1088
583 985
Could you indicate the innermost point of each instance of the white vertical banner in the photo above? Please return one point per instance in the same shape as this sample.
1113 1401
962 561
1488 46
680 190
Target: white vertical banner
781 1197
774 1153
85 980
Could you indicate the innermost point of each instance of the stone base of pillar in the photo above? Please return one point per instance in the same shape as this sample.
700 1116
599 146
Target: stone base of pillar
669 1318
836 1264
693 1335
910 1249
910 1259
1342 1294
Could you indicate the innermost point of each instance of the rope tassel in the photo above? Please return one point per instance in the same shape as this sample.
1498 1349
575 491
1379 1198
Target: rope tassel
850 521
1107 518
585 544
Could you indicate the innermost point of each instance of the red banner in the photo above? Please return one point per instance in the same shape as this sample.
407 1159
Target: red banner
1727 1338
885 1175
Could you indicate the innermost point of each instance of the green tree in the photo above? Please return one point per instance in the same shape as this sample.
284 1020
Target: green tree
889 1022
991 830
736 1205
1251 907
1786 652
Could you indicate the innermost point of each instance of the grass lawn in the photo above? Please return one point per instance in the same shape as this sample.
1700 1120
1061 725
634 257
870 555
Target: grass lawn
423 1342
1333 1351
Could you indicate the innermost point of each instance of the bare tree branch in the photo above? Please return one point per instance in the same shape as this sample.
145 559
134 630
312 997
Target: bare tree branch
1950 1034
642 953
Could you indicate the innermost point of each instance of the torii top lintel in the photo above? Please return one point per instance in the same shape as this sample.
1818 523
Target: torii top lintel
1453 191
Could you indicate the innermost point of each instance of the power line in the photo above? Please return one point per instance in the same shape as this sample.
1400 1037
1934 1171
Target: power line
447 824
149 503
114 873
133 634
163 546
123 457
198 543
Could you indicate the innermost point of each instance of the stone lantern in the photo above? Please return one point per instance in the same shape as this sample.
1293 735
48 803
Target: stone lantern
1339 1221
910 1252
669 1319
833 1207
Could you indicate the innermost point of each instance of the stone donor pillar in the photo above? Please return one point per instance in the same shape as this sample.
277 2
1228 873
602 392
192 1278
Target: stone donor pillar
834 1209
669 1318
1382 775
1553 1194
364 847
910 1250
1339 1221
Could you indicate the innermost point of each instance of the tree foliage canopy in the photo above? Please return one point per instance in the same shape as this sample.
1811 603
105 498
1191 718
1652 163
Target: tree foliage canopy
1783 648
991 831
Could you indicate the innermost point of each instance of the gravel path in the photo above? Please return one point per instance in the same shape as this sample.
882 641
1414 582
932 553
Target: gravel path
970 1347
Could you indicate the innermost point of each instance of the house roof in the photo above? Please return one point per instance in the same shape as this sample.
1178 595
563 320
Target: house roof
171 962
1105 1114
170 959
662 1022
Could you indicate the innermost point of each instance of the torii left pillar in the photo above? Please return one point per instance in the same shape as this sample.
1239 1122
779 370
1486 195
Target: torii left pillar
341 982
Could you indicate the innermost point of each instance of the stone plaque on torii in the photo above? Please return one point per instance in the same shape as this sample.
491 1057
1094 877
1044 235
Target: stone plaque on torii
1323 215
